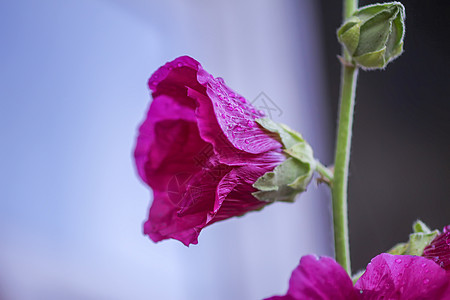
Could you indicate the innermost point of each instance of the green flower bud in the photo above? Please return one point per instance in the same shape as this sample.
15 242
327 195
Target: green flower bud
373 35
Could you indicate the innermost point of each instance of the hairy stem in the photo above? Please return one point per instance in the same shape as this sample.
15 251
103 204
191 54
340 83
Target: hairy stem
342 156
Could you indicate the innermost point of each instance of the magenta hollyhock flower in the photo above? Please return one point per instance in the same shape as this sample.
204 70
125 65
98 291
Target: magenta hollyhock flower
439 249
200 150
386 277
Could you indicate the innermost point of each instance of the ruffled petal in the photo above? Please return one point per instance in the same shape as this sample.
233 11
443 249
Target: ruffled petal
235 116
319 279
403 277
175 76
234 192
198 155
169 133
164 222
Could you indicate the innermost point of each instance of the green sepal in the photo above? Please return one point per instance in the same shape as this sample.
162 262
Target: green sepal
282 184
288 136
418 240
294 174
372 60
348 34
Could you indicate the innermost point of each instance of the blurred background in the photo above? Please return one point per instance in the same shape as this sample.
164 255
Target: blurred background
73 91
400 163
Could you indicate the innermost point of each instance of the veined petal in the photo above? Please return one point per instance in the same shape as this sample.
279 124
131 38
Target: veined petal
439 249
403 277
236 117
164 222
319 279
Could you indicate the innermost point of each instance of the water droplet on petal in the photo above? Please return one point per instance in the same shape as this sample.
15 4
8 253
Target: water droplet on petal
424 265
179 65
398 260
426 281
247 142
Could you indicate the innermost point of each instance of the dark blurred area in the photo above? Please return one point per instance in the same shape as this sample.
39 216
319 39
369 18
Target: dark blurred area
400 163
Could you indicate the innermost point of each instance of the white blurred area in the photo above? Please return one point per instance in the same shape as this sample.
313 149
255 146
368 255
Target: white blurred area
72 93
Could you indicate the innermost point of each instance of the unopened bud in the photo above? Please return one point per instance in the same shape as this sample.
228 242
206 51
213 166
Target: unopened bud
373 35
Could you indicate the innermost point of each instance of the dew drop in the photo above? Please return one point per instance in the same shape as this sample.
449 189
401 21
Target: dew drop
179 65
242 99
398 260
426 281
424 265
247 142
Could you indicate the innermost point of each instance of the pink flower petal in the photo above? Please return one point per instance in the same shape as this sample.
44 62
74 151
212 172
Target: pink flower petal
319 279
403 277
236 117
198 155
164 222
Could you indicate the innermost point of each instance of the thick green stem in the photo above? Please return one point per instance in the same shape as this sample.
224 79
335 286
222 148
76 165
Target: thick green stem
349 8
342 155
342 159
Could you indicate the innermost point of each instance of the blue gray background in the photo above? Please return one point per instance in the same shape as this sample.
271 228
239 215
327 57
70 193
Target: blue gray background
73 91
